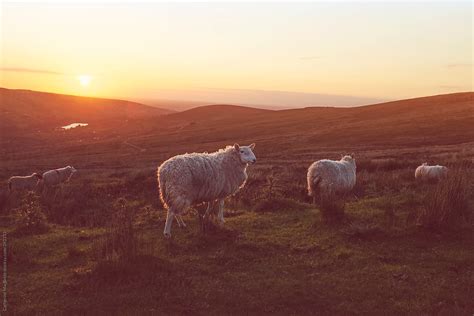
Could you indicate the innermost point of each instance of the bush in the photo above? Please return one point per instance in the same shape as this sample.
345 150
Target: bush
29 217
446 204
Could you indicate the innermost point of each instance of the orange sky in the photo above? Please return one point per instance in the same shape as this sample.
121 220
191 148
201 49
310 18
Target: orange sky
214 51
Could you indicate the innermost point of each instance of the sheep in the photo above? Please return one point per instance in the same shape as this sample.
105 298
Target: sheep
331 177
424 172
24 182
57 176
190 179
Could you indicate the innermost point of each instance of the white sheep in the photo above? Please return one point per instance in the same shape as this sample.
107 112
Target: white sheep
29 183
331 177
190 179
430 173
57 176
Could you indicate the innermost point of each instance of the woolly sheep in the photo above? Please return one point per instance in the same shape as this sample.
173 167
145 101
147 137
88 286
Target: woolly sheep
430 173
331 177
24 182
57 176
190 179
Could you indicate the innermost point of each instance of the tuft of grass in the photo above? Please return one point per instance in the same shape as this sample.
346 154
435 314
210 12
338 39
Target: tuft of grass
120 242
446 204
332 207
275 204
363 231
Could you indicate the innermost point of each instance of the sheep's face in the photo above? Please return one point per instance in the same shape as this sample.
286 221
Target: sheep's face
246 154
73 170
349 159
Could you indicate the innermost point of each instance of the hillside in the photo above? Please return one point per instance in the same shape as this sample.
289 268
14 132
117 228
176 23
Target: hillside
443 119
436 120
26 109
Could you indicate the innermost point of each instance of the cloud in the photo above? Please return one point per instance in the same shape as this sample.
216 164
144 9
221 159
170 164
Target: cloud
30 70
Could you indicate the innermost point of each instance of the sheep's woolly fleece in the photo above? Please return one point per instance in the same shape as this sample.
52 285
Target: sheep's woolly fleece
193 178
331 176
426 172
57 176
23 182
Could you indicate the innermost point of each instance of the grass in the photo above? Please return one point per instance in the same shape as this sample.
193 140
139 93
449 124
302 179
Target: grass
281 263
282 258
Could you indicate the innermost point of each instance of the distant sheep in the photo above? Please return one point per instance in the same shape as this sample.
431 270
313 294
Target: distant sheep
331 177
17 183
57 176
430 173
191 179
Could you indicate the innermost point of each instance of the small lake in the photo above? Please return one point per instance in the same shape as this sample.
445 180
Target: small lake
74 125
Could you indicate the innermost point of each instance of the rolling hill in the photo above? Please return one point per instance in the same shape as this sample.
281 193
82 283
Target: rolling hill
25 109
428 120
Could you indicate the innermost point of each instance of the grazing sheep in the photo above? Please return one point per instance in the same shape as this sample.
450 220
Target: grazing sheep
331 177
57 176
430 173
24 182
191 179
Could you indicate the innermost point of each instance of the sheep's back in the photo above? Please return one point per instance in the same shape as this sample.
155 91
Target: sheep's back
333 174
196 177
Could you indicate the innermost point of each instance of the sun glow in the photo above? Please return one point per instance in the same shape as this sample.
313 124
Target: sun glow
84 80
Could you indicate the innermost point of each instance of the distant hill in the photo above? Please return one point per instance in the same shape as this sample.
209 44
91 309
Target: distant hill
218 112
436 119
31 109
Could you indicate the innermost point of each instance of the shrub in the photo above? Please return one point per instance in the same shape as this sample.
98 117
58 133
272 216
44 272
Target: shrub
446 204
29 217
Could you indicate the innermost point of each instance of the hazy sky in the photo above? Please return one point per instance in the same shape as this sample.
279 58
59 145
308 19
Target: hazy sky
380 50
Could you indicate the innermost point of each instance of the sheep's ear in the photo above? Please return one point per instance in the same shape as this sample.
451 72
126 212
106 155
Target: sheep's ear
252 146
236 146
352 155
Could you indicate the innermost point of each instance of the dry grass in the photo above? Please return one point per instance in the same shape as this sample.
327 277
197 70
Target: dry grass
446 204
120 242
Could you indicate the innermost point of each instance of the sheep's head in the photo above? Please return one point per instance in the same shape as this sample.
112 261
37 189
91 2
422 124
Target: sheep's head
349 158
245 153
73 170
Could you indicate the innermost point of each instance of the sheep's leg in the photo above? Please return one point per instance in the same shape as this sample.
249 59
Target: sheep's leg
180 221
204 218
169 221
220 217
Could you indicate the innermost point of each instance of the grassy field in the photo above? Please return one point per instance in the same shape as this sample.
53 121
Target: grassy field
95 245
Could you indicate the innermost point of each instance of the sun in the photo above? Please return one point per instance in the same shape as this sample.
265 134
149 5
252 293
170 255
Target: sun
84 80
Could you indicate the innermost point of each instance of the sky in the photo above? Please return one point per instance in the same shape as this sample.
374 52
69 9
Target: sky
297 54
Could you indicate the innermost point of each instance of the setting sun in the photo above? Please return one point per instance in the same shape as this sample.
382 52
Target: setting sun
84 80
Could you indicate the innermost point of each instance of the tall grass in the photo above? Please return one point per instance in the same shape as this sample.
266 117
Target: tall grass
120 242
446 203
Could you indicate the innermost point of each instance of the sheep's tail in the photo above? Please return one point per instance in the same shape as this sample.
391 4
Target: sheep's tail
163 195
9 186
